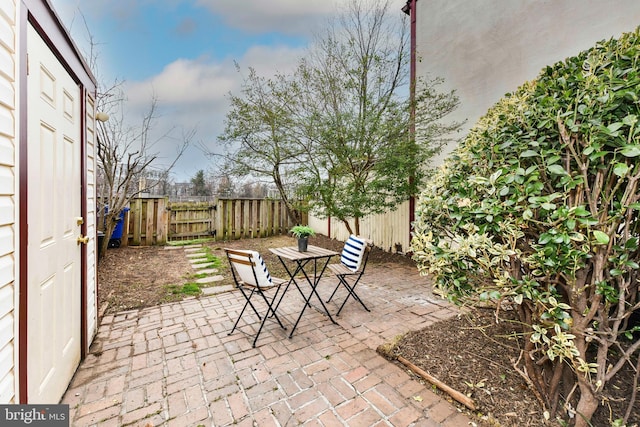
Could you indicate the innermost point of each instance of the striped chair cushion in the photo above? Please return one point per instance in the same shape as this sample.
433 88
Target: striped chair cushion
352 253
262 273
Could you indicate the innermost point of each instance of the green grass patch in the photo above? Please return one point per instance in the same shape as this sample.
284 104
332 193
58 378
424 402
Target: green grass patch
209 258
188 289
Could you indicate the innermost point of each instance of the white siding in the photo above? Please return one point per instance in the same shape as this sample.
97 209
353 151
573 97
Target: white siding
485 49
92 255
8 143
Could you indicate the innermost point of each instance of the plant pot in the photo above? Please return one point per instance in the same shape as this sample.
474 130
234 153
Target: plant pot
302 244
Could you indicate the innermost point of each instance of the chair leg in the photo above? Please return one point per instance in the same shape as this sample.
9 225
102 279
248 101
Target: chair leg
263 319
248 298
352 293
270 308
247 303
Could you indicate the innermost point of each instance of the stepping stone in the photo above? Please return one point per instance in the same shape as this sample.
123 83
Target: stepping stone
200 266
192 246
196 255
172 248
210 279
217 290
208 271
194 250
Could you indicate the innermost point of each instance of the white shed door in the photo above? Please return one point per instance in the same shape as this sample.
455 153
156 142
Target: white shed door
54 194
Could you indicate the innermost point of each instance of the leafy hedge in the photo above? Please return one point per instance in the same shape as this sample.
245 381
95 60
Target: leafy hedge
538 207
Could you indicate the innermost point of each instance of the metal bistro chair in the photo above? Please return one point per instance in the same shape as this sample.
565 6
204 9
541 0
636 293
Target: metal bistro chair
353 261
252 278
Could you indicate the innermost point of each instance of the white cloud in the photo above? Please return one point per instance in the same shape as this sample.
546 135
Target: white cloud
193 94
186 81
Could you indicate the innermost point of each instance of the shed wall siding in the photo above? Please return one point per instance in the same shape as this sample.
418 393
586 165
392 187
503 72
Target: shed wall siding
92 277
8 143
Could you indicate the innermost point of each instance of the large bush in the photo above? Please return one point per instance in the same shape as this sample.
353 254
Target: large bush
538 207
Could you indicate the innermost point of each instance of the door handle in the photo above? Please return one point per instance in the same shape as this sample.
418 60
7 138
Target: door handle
82 239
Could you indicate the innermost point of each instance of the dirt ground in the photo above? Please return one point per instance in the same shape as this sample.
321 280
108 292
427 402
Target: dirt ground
140 276
472 353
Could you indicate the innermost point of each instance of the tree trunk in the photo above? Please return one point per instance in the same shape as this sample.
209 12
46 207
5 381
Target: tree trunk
587 405
532 369
347 225
293 214
554 386
110 225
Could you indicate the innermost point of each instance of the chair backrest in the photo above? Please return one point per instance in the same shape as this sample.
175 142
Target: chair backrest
353 252
250 267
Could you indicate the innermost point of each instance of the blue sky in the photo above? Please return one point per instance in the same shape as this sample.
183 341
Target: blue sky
183 52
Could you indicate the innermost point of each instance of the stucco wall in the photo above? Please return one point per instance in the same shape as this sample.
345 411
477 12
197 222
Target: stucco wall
8 138
484 49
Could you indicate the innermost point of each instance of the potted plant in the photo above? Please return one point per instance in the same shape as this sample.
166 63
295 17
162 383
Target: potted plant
302 233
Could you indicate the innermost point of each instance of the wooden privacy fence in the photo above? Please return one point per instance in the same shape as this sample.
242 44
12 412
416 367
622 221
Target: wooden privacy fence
390 231
156 221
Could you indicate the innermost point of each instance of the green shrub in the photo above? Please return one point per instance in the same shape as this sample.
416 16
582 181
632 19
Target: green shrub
539 207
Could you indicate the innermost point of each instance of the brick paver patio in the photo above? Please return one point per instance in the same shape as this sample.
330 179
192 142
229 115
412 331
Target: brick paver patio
175 365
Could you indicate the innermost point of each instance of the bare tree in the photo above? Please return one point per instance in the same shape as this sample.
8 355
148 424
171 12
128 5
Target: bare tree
125 155
125 152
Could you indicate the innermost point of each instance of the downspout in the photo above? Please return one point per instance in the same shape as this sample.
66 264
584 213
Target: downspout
410 9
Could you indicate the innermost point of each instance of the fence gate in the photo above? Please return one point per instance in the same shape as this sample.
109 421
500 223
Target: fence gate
192 220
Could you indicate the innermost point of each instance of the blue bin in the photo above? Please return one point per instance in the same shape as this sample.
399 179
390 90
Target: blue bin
116 236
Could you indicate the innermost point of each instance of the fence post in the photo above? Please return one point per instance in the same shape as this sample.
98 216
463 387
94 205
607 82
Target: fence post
237 219
163 222
220 222
254 218
148 233
137 219
246 214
